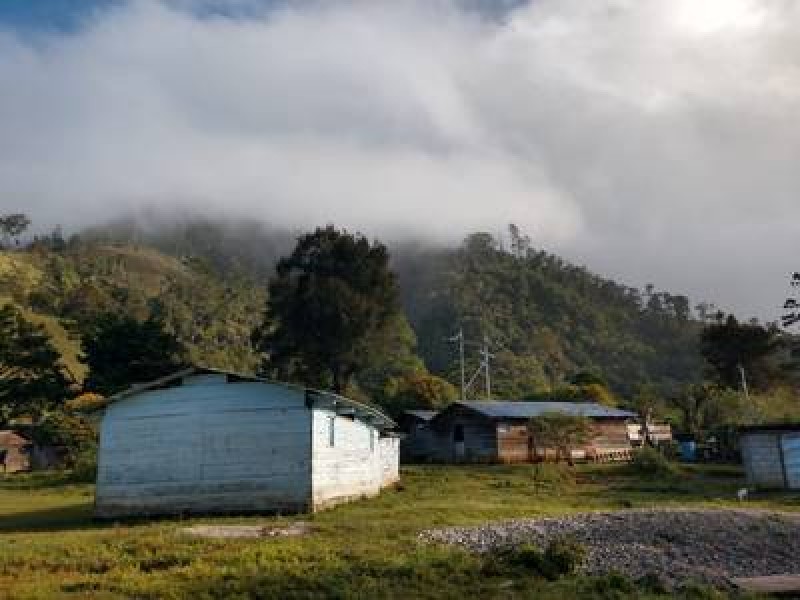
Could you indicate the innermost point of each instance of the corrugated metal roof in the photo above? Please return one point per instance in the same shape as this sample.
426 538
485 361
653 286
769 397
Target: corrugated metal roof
334 399
425 415
526 410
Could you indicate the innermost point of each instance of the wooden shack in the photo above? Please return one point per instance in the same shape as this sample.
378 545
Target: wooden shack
497 432
205 441
417 436
15 452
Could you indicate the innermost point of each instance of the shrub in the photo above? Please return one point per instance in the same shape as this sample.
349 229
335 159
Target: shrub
565 555
650 462
84 466
561 557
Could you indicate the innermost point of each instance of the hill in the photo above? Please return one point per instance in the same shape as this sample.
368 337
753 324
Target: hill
62 287
545 319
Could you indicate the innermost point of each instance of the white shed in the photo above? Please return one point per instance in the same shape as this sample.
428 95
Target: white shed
771 455
205 441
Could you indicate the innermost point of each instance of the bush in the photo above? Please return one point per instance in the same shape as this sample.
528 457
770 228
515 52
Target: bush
561 557
651 463
84 466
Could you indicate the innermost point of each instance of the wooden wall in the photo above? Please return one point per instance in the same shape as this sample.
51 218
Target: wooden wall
418 443
207 446
16 451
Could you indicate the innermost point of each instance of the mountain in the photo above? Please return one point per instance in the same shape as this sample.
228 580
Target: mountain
545 319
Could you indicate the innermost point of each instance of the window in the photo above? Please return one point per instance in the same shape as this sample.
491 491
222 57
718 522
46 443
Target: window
331 431
458 433
371 440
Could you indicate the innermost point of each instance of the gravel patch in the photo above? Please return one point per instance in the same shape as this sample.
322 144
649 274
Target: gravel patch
248 531
709 546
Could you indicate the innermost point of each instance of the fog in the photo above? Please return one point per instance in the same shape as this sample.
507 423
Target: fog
652 140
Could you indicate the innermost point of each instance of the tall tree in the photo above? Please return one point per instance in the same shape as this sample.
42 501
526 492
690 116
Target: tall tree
31 375
729 346
120 351
12 226
327 304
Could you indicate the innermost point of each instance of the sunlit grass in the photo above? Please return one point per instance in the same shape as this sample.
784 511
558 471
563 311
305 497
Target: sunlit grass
51 548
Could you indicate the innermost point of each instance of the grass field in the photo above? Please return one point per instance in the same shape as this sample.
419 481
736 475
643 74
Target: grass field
51 548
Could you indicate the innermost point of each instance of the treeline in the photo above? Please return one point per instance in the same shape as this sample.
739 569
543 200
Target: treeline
154 298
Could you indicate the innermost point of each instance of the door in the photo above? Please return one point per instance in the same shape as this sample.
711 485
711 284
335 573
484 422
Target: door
459 452
790 446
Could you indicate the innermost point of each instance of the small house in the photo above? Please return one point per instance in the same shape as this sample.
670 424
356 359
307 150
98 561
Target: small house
15 452
497 432
206 441
771 455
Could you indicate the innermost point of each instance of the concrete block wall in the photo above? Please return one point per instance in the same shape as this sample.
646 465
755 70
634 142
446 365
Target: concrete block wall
349 463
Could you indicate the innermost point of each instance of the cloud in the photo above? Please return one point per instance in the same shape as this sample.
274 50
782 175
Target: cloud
651 139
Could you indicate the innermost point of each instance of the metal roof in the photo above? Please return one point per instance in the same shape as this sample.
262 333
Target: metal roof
333 400
526 410
425 415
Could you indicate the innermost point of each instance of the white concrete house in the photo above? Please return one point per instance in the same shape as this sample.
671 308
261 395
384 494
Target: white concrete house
205 441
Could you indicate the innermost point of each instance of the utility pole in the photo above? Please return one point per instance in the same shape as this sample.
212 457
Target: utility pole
459 337
486 355
744 383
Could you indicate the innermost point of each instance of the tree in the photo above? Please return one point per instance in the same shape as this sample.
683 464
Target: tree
418 391
327 303
792 305
12 226
730 346
31 374
120 351
560 431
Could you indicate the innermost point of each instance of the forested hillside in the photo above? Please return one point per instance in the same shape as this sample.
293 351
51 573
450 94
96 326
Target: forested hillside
545 319
65 285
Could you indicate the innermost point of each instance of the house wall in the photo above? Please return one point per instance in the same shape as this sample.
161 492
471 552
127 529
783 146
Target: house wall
480 438
513 442
763 459
206 446
352 462
17 452
418 443
609 435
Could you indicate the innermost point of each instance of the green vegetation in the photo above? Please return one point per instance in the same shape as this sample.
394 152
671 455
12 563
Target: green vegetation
31 376
52 549
556 330
560 431
561 557
330 305
649 462
119 351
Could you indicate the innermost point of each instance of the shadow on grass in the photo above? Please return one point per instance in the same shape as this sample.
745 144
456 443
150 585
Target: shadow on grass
61 518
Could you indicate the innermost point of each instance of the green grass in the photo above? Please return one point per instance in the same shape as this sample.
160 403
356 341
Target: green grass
50 547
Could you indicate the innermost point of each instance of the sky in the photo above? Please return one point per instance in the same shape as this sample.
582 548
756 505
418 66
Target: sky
655 141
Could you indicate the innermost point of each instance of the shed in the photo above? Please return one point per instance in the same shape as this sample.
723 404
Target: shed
14 452
498 431
206 441
771 455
